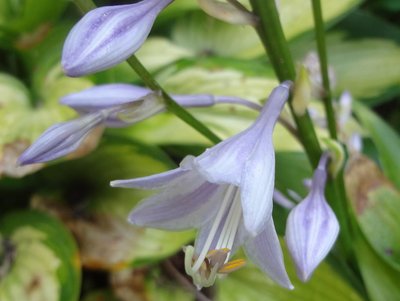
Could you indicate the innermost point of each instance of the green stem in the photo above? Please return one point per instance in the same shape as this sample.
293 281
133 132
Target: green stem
323 60
271 34
273 38
172 106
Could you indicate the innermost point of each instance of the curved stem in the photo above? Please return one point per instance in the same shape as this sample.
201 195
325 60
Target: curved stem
171 105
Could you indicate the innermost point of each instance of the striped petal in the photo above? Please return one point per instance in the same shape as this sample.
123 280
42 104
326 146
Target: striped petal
104 96
312 228
178 208
108 35
265 251
257 183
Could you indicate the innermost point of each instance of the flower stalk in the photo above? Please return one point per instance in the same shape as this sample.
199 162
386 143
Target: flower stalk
171 105
323 60
271 34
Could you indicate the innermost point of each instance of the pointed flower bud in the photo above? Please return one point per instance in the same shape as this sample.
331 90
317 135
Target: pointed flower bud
108 35
60 139
312 227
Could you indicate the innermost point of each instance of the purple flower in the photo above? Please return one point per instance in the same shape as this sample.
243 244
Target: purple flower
312 227
226 193
108 35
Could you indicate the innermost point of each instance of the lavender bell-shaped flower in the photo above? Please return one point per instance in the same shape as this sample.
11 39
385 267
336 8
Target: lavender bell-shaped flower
312 227
108 35
226 193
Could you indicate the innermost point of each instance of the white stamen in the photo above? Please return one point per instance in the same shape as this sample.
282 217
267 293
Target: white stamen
229 230
230 192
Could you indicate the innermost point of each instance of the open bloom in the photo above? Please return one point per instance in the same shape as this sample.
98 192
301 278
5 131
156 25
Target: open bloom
312 227
108 35
112 105
226 193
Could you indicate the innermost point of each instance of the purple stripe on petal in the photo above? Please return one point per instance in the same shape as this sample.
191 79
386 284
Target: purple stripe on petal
265 251
175 209
60 139
312 227
151 182
104 96
108 35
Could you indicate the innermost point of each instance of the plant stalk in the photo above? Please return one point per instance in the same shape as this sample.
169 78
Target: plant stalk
323 61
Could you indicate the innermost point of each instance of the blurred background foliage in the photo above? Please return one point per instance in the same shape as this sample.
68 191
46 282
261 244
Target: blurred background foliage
63 230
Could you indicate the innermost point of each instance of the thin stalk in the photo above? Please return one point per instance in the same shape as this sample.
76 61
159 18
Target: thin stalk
172 106
323 60
271 34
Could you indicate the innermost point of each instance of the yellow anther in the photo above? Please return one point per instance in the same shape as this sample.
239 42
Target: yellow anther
232 266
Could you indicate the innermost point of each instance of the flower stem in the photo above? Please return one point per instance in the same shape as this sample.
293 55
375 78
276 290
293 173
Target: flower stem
271 34
323 60
172 106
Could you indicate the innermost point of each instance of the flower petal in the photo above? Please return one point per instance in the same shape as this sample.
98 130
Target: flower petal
265 251
108 35
224 163
156 181
104 96
178 208
257 183
160 180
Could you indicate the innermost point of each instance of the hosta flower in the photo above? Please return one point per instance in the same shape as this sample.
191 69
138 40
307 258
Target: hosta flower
226 193
108 35
113 105
312 227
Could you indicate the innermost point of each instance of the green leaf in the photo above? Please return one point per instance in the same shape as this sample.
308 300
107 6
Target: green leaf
45 265
382 281
376 203
296 15
204 35
27 15
377 57
386 140
151 57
